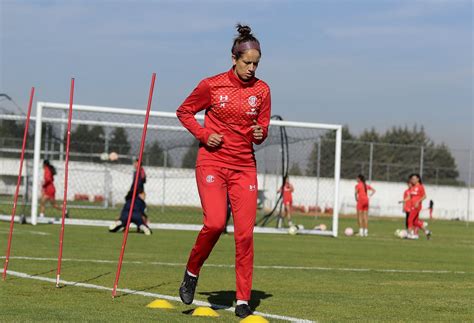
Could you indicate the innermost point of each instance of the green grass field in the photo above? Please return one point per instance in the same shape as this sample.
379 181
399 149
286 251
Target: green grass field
320 279
170 214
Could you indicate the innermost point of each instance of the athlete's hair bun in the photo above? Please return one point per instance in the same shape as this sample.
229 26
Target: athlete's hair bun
243 30
245 40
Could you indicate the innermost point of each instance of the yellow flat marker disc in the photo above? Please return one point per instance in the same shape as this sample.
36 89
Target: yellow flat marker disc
254 319
160 303
205 311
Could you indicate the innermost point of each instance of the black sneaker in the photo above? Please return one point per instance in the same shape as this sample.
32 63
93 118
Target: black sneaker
243 310
187 288
67 214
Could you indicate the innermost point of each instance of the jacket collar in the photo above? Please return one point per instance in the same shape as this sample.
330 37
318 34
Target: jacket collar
238 82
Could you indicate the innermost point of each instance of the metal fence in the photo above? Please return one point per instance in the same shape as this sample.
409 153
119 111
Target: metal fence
438 165
311 154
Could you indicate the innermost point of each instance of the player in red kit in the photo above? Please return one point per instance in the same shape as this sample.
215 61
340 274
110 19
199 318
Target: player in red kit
417 196
48 192
288 190
237 115
362 193
407 203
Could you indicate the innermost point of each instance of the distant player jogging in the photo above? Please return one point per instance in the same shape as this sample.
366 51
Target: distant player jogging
406 203
416 198
362 193
288 190
237 115
48 191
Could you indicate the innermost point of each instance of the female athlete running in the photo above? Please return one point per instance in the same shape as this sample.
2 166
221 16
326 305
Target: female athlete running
237 106
362 195
48 192
288 190
417 196
407 203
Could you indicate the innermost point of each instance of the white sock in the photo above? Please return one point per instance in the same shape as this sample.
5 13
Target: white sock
41 215
366 231
191 274
239 302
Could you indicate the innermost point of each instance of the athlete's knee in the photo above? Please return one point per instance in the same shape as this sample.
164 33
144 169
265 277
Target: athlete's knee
244 238
214 228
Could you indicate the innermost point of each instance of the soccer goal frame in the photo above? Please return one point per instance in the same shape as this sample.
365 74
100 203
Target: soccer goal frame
39 119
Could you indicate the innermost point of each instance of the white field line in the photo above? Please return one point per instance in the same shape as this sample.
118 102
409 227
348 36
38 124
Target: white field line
172 264
39 233
161 226
148 294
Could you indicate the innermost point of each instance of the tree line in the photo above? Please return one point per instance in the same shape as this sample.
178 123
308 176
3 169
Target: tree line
395 152
86 141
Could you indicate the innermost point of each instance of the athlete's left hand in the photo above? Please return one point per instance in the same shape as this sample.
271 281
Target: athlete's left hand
257 131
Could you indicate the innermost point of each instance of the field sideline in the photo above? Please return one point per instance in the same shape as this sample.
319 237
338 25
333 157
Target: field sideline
378 278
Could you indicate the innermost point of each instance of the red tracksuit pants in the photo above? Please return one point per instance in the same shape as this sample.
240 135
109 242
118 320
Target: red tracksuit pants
413 219
214 184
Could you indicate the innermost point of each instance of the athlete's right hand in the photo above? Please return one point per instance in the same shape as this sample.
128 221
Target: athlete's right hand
214 140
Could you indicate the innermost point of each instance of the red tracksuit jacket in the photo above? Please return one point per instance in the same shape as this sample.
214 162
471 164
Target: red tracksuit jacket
48 177
232 107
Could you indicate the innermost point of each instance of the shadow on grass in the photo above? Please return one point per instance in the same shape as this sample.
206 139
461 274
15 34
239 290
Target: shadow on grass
188 312
225 298
145 289
11 278
53 270
44 272
91 279
85 280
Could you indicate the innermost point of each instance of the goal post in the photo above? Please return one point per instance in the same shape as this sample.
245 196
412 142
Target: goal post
337 162
36 164
39 150
98 185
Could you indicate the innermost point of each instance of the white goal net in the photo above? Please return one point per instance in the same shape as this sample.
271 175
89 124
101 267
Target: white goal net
309 153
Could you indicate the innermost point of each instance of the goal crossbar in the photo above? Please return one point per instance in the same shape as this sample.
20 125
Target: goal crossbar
171 115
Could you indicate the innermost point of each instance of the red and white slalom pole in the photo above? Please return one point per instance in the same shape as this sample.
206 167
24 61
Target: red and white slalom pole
142 147
18 183
66 173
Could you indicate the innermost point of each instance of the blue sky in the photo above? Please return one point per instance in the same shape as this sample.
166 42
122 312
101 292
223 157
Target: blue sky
361 63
